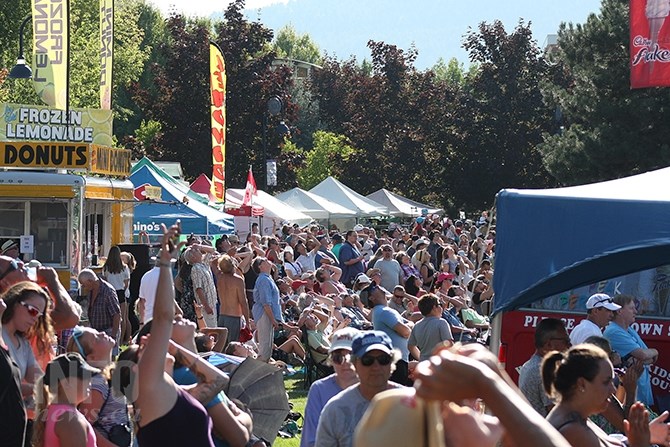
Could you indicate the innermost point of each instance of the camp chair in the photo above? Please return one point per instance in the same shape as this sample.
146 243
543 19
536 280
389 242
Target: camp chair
313 370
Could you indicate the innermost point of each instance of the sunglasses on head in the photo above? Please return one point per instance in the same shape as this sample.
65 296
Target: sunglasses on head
32 310
75 336
13 266
383 360
339 358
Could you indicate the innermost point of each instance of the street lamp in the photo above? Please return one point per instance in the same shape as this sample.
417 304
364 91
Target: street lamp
274 107
21 70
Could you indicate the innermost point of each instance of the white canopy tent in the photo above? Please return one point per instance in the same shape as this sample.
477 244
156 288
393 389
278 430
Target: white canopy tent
399 205
273 209
339 193
321 209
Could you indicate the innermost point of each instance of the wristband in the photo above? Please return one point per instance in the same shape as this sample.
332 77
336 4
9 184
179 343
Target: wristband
200 318
165 264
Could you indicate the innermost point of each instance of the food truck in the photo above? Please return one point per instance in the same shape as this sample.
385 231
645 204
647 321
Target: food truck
65 199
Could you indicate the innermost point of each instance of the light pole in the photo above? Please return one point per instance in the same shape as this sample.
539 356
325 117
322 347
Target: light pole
21 70
274 107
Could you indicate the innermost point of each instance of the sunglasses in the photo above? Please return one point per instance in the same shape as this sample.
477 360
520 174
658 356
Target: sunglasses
339 358
75 336
12 267
383 360
32 310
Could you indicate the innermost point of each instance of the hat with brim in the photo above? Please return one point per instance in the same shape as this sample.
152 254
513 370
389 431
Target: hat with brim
371 341
8 245
362 278
601 300
295 285
342 339
71 364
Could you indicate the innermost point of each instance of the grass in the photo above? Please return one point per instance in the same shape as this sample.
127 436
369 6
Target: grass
298 396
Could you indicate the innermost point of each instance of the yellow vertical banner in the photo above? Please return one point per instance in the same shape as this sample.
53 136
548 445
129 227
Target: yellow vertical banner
106 52
50 51
217 71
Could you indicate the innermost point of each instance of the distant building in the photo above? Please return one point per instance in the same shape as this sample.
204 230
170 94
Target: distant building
301 70
550 44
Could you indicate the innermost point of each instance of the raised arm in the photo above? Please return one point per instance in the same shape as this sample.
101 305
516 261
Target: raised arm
211 380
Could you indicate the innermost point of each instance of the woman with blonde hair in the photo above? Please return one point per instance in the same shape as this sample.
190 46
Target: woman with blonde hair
421 261
107 412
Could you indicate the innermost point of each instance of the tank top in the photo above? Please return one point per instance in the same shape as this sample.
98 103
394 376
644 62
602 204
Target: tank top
54 413
186 424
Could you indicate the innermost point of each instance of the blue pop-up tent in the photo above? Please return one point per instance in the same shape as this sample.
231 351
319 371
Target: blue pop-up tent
196 217
549 241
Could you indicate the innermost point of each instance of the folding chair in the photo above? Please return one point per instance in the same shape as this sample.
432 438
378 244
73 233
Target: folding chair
313 370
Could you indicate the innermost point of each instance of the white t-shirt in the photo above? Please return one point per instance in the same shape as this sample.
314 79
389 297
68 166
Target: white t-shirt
148 286
585 329
117 280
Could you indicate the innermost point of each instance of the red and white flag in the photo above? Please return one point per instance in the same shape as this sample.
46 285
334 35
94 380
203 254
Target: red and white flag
649 43
250 190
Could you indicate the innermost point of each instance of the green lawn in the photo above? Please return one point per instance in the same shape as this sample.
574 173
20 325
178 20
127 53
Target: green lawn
298 396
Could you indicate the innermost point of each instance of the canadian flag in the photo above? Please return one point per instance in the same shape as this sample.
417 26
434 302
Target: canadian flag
250 190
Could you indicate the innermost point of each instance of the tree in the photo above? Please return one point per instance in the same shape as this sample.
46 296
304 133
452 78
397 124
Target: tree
291 45
330 151
504 117
607 130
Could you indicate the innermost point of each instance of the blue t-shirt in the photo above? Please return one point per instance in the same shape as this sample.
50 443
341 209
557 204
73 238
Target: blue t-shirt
319 394
384 319
624 342
349 272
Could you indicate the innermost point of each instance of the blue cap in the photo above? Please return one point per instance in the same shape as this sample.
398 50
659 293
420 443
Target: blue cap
369 341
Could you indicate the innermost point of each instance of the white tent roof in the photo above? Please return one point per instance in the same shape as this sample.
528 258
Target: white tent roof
314 205
399 205
274 208
339 193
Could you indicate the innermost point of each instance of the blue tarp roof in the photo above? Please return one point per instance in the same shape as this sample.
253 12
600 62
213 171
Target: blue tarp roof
549 241
195 216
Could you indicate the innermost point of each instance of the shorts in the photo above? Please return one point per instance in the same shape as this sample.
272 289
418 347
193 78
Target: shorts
122 296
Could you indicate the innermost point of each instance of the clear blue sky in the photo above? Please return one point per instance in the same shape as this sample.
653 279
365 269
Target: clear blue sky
436 27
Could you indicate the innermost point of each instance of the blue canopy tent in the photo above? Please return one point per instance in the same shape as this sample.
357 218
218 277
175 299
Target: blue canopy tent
549 241
196 217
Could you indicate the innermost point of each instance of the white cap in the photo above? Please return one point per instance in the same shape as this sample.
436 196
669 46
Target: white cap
601 300
342 339
358 227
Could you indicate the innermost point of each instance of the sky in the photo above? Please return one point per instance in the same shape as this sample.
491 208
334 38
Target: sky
342 28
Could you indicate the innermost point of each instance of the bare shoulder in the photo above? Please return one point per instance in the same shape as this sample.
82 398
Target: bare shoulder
579 434
71 428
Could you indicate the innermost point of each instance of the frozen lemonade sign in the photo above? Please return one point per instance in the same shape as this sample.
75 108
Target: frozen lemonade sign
36 123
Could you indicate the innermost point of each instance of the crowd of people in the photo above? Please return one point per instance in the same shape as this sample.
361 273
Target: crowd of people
395 318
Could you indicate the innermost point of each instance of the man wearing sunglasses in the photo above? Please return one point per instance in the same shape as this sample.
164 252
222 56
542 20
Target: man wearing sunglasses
374 358
321 391
599 312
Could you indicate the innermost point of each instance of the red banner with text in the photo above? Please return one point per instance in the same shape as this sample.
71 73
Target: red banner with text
649 43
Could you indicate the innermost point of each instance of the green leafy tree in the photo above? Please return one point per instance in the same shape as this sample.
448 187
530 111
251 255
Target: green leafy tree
292 45
330 151
605 130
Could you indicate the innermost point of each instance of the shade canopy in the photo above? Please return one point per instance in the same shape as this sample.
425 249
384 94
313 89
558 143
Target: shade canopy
203 186
314 205
401 206
549 241
341 194
195 216
273 208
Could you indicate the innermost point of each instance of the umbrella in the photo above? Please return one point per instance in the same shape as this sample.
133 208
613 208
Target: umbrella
261 388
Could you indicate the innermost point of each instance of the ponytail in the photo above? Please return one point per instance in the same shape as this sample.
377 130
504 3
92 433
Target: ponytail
548 369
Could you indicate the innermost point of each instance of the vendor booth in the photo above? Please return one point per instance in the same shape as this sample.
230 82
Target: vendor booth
172 202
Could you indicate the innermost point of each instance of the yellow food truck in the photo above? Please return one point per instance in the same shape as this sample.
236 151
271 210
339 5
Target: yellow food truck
65 203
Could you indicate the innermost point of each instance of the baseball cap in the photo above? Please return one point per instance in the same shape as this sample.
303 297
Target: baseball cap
8 245
297 284
368 341
372 272
336 237
442 276
363 278
71 364
342 339
601 300
358 227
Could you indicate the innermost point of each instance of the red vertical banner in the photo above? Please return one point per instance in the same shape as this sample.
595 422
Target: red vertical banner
649 43
217 73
